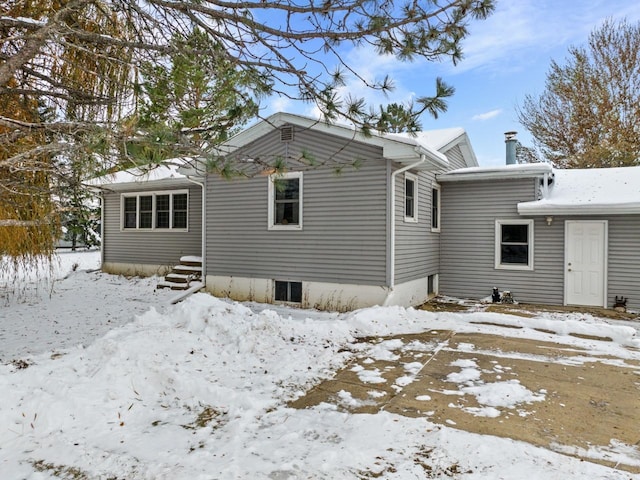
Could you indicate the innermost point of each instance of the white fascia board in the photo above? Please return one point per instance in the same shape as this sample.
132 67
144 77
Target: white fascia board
496 173
145 185
546 208
408 154
467 151
462 141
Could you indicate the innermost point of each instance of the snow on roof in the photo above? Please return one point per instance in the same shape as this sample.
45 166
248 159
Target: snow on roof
525 170
592 191
164 171
435 139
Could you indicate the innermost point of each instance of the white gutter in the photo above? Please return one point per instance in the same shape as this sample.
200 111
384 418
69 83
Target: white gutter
392 196
530 170
203 228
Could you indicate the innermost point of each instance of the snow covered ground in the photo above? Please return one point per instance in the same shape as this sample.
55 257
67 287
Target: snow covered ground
120 384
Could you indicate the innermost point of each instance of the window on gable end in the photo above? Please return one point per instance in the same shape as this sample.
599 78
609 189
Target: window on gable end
285 201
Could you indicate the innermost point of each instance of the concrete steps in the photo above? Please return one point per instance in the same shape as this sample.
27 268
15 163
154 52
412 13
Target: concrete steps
184 275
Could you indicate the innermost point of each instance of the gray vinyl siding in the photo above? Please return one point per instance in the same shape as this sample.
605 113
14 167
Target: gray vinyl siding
456 160
158 247
467 248
624 260
469 211
343 239
417 247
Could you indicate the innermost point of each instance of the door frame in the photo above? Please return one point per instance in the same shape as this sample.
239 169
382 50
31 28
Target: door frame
605 257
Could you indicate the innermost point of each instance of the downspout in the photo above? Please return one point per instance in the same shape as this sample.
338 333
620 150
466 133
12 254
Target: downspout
392 242
102 229
203 227
545 186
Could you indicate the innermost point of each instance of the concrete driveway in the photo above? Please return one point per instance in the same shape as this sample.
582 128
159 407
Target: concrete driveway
548 394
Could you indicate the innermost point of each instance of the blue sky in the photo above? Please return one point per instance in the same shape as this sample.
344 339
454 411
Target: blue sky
505 57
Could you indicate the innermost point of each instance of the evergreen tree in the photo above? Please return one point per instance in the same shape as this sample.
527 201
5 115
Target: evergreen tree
137 81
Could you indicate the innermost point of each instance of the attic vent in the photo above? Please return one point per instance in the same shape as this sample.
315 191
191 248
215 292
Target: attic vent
286 133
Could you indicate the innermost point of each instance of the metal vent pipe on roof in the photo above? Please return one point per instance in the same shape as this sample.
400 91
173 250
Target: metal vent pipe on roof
511 141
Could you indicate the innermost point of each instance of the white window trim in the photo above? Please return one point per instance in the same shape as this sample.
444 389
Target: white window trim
498 241
414 179
435 186
271 199
152 193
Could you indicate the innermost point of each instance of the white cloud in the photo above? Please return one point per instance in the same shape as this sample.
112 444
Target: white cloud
518 31
277 104
487 115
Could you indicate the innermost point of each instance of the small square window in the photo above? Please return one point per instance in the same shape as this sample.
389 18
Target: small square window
514 244
290 292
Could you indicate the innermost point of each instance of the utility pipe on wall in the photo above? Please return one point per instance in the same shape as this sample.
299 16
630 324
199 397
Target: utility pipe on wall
203 223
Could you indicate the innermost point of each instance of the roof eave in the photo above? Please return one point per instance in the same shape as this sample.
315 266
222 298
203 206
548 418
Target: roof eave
540 208
143 184
404 152
407 155
462 140
485 176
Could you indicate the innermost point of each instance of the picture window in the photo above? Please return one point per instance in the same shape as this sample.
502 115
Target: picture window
155 211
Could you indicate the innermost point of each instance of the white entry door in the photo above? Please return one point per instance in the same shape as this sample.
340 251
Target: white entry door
585 263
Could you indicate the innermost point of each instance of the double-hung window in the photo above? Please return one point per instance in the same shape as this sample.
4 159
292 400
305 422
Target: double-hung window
155 210
410 197
285 201
435 208
514 244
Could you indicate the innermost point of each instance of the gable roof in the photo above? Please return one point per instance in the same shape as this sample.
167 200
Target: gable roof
405 149
445 139
594 191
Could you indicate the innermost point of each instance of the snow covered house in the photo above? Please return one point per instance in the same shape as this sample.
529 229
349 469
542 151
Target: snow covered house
560 237
354 221
383 219
150 219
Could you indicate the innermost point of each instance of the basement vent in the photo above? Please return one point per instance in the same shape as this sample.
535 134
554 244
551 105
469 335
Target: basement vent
286 133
